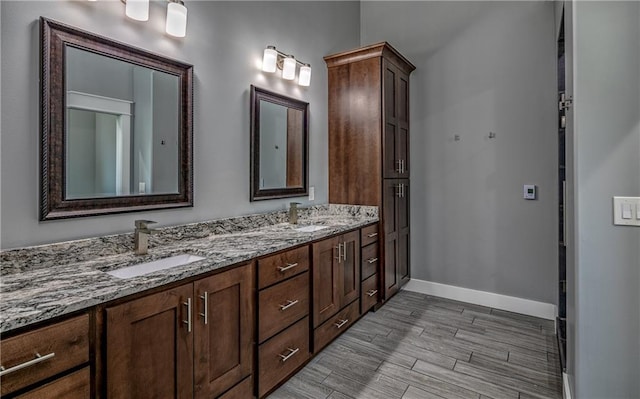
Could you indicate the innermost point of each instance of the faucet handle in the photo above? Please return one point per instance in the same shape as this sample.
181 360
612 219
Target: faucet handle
143 224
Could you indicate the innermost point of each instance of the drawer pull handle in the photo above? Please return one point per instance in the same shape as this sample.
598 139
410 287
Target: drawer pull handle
341 323
188 321
39 358
371 235
372 260
205 313
287 267
289 304
288 355
372 292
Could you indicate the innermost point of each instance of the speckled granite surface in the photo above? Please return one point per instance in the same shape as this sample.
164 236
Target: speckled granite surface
42 282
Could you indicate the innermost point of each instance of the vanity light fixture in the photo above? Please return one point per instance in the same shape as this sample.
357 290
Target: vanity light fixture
176 18
176 24
273 59
137 9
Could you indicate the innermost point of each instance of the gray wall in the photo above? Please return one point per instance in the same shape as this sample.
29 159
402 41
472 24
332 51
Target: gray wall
224 42
607 148
481 67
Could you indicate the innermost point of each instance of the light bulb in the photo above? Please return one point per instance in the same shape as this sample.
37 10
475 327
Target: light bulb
137 9
176 19
269 59
304 78
289 68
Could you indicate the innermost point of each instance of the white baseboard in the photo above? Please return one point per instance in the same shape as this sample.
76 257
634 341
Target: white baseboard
566 388
504 302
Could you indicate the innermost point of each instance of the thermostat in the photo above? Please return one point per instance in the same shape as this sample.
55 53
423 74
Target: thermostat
530 191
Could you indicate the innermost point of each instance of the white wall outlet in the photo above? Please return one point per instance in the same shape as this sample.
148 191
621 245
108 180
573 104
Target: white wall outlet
626 211
530 191
141 187
312 193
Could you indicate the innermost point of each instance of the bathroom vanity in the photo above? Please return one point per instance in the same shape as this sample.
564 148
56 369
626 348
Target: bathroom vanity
265 297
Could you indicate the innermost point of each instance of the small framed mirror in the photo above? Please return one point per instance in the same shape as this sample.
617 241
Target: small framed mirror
116 126
279 146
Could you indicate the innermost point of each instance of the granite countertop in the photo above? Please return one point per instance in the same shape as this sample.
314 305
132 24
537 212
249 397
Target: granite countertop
39 283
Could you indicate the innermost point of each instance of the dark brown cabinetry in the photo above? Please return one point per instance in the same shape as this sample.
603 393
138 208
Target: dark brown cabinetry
369 146
46 352
336 280
191 341
283 322
369 291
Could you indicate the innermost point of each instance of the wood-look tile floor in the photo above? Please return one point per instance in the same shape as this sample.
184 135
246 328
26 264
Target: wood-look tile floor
423 347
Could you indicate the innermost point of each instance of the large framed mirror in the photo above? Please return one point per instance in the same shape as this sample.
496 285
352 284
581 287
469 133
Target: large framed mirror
116 126
279 146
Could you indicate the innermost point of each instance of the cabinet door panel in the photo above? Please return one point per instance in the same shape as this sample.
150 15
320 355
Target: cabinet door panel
149 348
73 386
350 268
390 266
223 346
326 295
402 211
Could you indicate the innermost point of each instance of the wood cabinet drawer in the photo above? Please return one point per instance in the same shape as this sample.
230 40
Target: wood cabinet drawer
335 326
369 234
282 304
244 390
273 269
370 261
369 293
282 355
73 386
61 346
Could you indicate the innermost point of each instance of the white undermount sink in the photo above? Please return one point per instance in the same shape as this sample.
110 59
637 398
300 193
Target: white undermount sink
311 228
156 265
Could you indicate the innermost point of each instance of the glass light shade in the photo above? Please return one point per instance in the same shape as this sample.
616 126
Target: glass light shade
289 68
269 59
137 9
304 78
176 20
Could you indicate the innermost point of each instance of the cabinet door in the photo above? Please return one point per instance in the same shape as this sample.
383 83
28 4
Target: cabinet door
391 128
391 230
402 136
402 215
326 294
396 121
223 331
349 266
150 347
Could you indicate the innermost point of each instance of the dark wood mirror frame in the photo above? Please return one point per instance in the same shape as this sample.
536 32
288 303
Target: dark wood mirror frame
53 205
257 193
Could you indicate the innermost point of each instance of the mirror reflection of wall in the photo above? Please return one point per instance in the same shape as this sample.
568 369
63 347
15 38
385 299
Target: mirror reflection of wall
281 146
122 128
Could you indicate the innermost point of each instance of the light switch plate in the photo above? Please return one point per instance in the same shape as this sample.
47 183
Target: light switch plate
626 211
530 191
312 193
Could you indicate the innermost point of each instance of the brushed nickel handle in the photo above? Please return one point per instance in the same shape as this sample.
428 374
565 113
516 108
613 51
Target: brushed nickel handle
399 163
344 252
372 292
287 267
399 191
288 355
371 235
341 323
39 358
339 247
402 166
188 321
205 313
372 260
289 304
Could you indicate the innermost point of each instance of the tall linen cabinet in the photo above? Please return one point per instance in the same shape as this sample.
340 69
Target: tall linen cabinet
369 146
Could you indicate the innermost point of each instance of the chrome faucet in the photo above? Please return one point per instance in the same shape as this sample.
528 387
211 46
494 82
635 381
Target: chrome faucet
293 212
141 236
